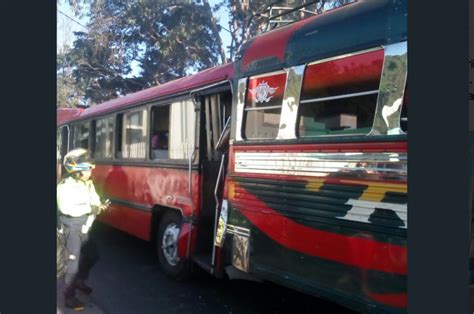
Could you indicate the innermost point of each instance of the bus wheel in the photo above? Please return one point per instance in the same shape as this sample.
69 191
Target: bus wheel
167 247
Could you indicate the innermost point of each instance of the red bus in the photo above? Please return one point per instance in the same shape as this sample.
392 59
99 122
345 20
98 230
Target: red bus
289 165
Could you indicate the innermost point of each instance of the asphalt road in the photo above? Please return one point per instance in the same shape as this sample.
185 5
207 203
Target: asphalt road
127 280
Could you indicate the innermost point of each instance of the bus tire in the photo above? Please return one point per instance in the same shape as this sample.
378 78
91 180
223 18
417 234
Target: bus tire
167 247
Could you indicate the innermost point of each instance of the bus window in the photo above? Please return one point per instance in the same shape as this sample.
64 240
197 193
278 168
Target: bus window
81 135
182 129
134 134
263 105
160 126
104 132
342 116
339 97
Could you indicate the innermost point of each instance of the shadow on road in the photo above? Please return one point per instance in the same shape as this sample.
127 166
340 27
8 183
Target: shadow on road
127 280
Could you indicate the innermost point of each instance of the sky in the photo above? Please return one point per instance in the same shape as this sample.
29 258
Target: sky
67 24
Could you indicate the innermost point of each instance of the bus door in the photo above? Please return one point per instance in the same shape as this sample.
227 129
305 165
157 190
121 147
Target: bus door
62 147
215 111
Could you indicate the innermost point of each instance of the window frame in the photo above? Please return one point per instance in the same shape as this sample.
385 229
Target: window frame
245 109
150 126
94 144
151 162
348 96
289 135
74 127
119 140
196 132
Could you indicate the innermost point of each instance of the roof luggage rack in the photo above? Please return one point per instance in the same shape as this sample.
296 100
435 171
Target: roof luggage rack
283 12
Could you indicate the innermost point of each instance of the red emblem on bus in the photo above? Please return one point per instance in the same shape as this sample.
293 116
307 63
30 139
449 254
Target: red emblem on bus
263 92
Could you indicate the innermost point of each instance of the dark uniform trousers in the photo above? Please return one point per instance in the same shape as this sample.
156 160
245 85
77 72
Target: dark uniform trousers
82 250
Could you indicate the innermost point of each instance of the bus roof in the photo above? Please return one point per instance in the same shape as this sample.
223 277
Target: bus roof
188 83
66 114
353 27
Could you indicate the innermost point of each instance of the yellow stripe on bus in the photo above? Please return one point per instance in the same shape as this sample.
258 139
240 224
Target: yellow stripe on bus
315 185
376 191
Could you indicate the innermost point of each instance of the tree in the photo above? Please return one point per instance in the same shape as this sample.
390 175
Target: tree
247 18
163 41
69 92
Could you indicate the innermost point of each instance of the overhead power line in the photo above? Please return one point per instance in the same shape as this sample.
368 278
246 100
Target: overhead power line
72 19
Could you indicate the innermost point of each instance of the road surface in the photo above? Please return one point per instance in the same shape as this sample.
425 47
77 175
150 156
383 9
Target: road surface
127 280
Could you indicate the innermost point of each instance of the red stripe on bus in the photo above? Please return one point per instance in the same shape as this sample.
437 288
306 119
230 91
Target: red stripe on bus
355 251
393 299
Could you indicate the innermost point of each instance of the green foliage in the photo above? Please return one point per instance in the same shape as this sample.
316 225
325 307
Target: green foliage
69 93
165 40
247 18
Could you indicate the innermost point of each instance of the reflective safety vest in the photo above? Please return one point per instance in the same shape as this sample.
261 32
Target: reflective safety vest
75 198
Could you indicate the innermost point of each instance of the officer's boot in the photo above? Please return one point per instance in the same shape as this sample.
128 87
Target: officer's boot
81 286
70 300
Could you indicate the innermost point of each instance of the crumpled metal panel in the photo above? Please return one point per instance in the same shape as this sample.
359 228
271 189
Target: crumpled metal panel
240 252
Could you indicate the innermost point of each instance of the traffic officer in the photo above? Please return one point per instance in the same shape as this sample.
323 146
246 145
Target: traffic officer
78 205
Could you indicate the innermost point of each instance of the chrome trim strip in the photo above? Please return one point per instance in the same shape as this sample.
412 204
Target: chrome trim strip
355 157
241 89
262 108
345 55
233 232
232 229
291 99
267 74
239 228
339 97
391 91
361 165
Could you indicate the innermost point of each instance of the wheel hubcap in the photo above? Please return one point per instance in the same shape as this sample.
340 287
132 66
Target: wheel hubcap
169 244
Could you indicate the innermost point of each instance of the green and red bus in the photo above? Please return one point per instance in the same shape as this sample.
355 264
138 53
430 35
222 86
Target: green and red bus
288 165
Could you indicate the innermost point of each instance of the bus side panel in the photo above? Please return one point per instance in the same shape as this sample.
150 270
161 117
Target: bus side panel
135 190
129 220
328 218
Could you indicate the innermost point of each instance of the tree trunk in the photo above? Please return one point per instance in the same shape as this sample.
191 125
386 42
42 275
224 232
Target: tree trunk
215 31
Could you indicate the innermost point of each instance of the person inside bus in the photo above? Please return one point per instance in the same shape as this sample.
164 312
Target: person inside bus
78 204
159 146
